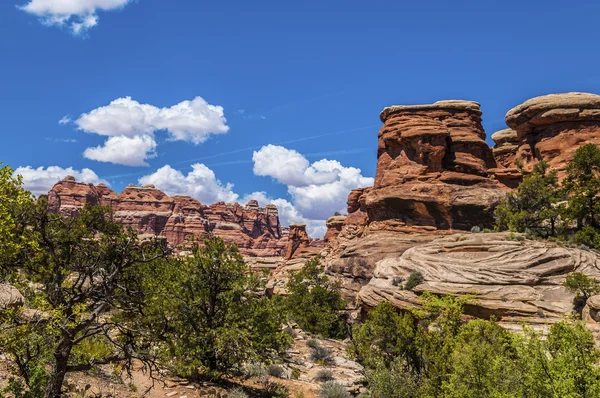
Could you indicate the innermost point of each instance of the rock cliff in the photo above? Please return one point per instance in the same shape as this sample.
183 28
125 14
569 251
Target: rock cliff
255 230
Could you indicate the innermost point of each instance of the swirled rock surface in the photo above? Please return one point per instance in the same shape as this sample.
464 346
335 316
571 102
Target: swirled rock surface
256 231
552 127
512 280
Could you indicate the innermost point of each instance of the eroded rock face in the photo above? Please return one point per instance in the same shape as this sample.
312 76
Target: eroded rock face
552 127
255 230
511 280
432 168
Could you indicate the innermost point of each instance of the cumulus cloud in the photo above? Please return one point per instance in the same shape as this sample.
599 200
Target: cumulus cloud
200 183
319 189
289 167
131 127
78 15
39 181
124 150
192 121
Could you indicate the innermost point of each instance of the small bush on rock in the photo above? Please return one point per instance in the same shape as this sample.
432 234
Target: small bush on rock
276 371
321 354
333 390
313 343
415 279
324 375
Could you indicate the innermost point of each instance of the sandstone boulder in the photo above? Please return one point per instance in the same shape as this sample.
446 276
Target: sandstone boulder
10 297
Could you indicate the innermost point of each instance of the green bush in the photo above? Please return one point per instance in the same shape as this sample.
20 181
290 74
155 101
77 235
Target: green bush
237 393
315 301
414 279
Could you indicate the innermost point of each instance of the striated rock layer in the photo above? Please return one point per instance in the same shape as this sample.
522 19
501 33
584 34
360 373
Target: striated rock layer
432 168
552 127
509 279
255 230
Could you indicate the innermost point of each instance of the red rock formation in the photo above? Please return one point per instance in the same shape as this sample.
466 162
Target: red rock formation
552 127
334 227
255 230
432 169
297 240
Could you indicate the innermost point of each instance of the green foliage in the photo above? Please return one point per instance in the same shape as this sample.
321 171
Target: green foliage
237 393
414 280
435 354
582 285
15 208
583 184
332 389
209 312
296 373
315 302
81 267
533 206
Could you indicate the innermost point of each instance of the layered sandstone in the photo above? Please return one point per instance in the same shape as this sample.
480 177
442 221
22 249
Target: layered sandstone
512 280
255 230
334 227
432 168
552 127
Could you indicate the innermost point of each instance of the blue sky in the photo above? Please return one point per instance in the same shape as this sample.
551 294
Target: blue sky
307 78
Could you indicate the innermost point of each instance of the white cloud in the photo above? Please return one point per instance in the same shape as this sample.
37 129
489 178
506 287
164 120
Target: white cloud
80 15
66 119
289 167
319 189
131 127
123 150
192 121
200 183
39 181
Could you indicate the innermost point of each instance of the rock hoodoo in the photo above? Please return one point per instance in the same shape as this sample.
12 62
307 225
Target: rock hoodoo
255 230
432 168
505 150
552 127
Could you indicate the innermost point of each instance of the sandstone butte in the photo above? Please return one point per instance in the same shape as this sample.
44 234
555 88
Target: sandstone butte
255 230
436 178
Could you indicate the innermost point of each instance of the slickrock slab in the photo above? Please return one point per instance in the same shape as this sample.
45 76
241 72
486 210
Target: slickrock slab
510 280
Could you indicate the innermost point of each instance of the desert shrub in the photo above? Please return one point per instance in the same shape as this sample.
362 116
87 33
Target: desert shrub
315 301
276 390
324 375
475 229
413 280
313 343
333 390
321 354
276 371
296 373
237 393
255 370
